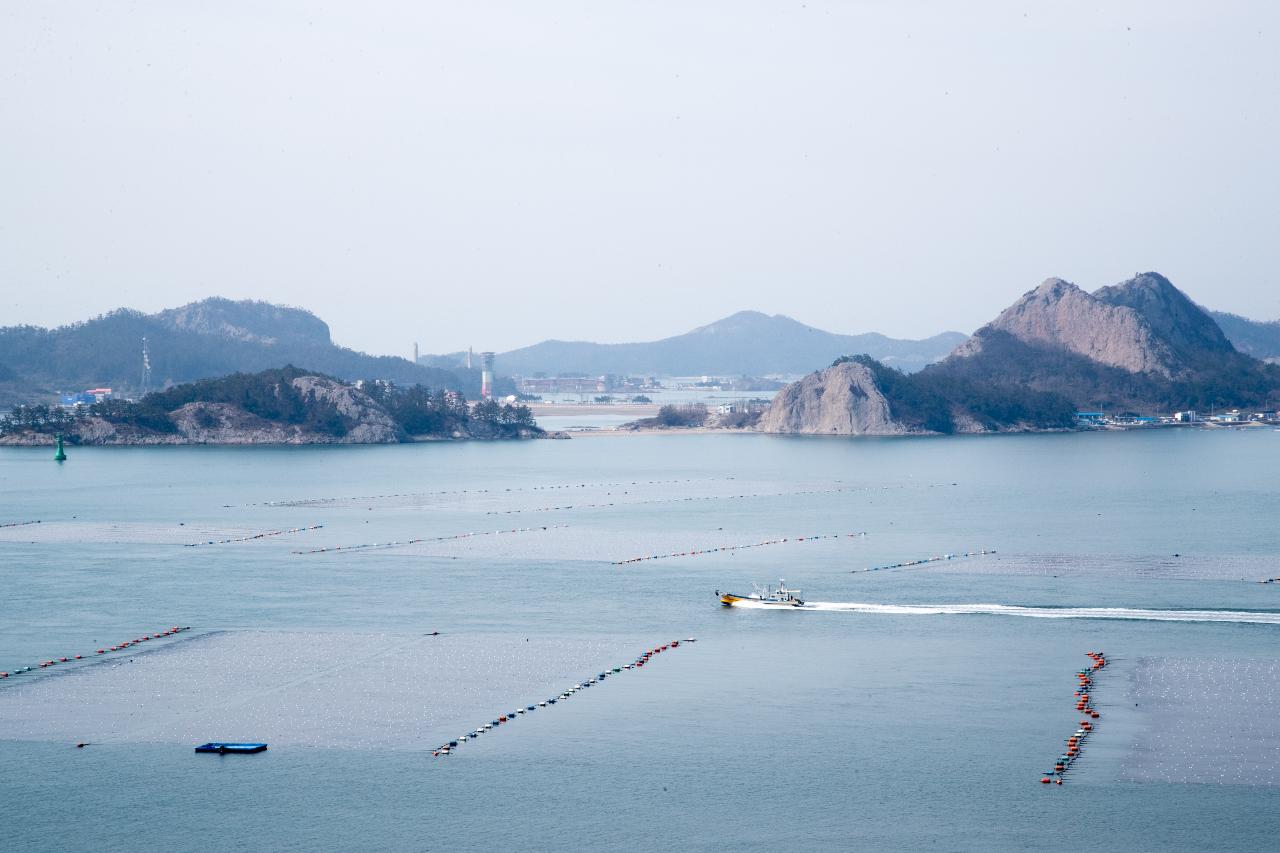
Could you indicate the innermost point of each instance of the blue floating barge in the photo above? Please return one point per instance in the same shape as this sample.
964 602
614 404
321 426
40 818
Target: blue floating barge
236 748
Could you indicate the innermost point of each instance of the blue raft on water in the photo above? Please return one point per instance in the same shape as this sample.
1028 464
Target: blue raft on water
238 748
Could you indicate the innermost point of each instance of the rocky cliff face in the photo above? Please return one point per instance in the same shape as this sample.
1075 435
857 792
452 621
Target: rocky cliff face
1143 325
1059 314
372 424
841 400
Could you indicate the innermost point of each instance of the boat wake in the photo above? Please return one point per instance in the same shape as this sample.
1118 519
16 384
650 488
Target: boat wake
1255 617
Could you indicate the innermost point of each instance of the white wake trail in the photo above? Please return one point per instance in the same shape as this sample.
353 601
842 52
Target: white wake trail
1255 617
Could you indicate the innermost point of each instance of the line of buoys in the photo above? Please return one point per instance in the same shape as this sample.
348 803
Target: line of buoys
668 501
702 551
502 719
118 647
1084 705
254 536
322 501
400 543
19 523
925 560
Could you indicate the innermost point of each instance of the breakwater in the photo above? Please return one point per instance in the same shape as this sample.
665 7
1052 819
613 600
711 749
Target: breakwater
699 552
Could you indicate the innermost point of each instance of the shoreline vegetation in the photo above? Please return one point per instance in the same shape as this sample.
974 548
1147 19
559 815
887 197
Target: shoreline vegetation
289 405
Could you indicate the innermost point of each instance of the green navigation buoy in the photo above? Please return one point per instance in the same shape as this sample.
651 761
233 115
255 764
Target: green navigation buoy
61 455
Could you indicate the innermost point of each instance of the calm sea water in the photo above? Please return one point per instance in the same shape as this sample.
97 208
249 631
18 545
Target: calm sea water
862 728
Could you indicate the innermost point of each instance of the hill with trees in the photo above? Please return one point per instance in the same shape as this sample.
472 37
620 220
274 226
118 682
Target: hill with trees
206 339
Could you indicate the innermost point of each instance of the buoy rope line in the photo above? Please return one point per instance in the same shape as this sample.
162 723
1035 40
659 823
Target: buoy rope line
669 501
118 647
321 501
19 523
1084 705
254 536
925 560
703 551
511 716
400 543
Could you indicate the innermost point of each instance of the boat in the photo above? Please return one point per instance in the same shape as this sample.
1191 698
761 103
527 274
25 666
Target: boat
763 596
233 748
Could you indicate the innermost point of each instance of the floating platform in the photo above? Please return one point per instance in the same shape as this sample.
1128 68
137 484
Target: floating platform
236 748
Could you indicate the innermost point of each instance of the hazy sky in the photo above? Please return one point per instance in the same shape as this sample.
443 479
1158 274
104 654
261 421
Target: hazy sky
495 174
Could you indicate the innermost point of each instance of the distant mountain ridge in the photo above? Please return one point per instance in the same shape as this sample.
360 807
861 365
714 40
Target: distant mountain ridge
1258 338
210 338
748 342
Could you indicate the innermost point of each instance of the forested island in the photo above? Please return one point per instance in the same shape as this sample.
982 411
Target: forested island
288 405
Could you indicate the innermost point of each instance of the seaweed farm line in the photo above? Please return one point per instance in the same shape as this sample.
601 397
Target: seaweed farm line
511 716
300 502
118 647
1084 705
254 536
702 551
670 501
19 523
925 560
400 543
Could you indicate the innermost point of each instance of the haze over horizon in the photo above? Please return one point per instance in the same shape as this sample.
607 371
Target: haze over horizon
497 174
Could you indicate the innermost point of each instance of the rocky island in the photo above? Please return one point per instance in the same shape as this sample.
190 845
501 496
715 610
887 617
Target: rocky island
1140 345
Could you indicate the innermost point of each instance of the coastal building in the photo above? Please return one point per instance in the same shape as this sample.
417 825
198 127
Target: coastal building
1186 417
1091 417
85 398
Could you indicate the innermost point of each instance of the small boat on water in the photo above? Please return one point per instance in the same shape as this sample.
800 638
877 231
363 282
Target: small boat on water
231 748
763 596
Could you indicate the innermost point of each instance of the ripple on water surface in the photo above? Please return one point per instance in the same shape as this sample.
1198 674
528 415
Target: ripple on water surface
1206 721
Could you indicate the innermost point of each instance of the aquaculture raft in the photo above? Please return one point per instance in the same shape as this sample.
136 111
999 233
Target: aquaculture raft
232 748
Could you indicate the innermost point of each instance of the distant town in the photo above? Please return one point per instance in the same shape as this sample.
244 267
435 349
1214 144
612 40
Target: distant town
1230 417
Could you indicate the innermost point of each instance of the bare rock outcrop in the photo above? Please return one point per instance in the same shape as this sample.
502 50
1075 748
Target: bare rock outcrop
1059 314
1143 325
372 425
841 400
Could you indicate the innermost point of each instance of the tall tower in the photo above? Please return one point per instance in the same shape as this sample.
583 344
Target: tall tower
486 376
415 352
468 358
146 368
